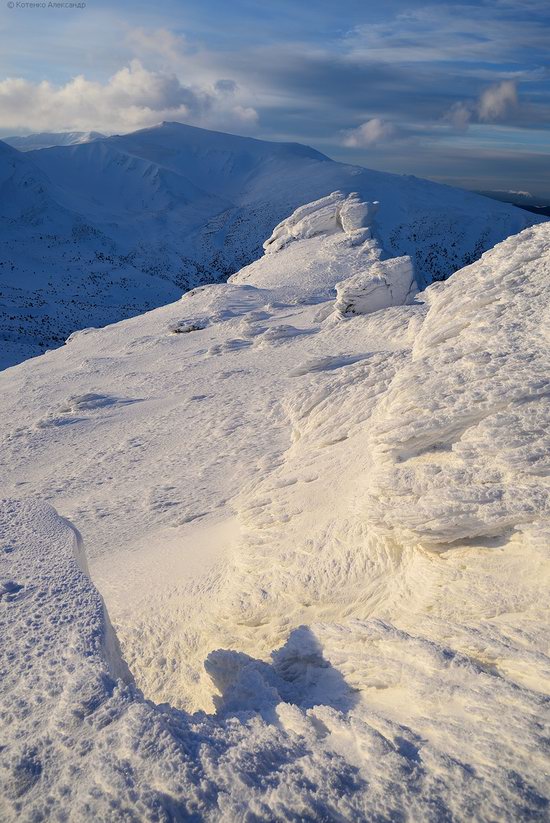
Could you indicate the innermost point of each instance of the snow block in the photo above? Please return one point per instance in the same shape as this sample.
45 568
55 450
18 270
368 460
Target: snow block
309 220
356 213
384 283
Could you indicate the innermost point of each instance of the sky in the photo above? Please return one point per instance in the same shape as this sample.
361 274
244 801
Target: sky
457 92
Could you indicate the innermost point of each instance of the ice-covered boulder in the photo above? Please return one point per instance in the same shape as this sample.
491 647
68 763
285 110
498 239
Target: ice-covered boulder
318 217
331 214
356 217
321 244
384 283
356 213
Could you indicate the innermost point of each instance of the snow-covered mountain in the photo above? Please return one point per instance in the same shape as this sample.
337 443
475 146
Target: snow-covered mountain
45 140
522 199
127 223
317 510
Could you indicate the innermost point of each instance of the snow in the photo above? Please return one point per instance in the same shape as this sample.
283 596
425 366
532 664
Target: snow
320 537
383 284
328 215
320 217
45 140
102 229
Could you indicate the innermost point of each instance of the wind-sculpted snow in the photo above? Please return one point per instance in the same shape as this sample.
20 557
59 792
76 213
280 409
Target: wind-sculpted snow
111 227
328 215
461 439
293 738
321 537
384 284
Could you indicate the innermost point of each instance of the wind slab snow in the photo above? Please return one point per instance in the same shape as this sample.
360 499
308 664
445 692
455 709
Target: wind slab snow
320 529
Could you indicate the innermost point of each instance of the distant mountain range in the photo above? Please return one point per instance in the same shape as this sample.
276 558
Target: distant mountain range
522 199
45 140
100 229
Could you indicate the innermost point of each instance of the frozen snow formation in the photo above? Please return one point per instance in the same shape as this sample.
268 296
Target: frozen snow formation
321 540
326 216
383 284
310 272
374 284
471 459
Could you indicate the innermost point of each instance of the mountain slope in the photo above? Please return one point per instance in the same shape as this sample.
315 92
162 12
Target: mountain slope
151 214
324 523
44 140
260 183
58 271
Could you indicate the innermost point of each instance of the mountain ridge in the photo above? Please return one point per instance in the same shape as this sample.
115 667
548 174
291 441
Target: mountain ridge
134 220
41 140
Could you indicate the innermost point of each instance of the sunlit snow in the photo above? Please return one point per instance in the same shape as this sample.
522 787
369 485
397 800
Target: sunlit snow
298 563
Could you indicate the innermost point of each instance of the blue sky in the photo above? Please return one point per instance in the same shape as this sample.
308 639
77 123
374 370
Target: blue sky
459 92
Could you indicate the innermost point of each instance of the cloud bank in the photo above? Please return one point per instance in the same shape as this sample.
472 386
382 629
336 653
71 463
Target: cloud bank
134 97
495 103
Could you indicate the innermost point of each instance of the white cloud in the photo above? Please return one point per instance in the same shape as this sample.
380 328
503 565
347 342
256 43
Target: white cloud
134 97
159 42
459 116
497 101
369 133
494 103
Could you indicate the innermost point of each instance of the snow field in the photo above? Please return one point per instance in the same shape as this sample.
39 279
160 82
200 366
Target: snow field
322 540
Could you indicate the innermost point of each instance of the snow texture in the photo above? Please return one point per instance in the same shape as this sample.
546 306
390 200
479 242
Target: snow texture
322 540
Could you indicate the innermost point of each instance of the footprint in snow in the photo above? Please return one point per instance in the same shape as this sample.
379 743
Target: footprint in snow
281 333
68 412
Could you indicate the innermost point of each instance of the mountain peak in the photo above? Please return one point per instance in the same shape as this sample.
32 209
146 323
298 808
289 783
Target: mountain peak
209 139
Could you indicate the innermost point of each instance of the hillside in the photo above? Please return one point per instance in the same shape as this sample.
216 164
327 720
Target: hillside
127 223
315 504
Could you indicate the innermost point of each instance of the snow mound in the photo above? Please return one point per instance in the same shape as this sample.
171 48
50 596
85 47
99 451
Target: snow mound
309 252
461 439
383 284
332 726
